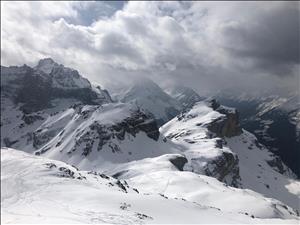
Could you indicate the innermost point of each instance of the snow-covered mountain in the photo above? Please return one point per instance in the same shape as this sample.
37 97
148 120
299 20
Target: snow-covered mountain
36 87
191 165
149 96
185 95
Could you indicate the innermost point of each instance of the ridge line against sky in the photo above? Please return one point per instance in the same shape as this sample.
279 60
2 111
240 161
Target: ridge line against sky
208 46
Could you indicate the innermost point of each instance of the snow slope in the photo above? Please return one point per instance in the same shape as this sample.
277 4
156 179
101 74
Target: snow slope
186 96
257 168
96 137
88 136
260 170
40 190
205 152
148 95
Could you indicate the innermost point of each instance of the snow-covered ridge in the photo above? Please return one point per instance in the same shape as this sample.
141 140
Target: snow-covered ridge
206 152
109 133
84 135
40 190
237 160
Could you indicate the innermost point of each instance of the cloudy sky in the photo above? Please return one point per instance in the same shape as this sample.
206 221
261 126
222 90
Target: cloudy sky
208 46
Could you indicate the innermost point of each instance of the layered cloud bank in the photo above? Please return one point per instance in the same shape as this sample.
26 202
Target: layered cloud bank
205 45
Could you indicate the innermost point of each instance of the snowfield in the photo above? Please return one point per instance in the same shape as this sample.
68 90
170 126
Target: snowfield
40 190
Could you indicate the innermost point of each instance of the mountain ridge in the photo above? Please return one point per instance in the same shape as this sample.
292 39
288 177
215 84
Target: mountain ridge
204 141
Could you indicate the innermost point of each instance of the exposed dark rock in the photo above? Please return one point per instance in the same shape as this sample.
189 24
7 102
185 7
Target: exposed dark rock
35 88
179 161
137 122
119 174
8 143
120 185
34 92
219 143
227 165
227 125
65 172
104 176
50 165
143 216
31 118
41 138
124 206
277 164
214 104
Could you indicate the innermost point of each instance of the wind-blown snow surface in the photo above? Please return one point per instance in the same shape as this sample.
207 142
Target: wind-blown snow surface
40 190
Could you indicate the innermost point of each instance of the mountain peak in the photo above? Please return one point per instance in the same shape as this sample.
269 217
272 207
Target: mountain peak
148 95
46 65
185 95
145 84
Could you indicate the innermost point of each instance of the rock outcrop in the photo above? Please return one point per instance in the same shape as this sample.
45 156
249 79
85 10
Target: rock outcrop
225 168
179 161
227 125
96 133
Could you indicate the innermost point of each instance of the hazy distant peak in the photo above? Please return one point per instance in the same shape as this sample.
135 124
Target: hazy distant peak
46 65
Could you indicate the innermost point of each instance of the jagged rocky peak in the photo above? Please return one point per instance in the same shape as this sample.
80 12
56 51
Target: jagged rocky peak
36 87
226 126
46 65
62 77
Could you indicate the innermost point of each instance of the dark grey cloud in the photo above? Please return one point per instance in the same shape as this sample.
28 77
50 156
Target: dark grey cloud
270 38
205 45
116 45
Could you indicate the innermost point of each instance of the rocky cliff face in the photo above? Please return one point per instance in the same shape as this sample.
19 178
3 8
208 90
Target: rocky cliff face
206 152
35 87
225 168
227 125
